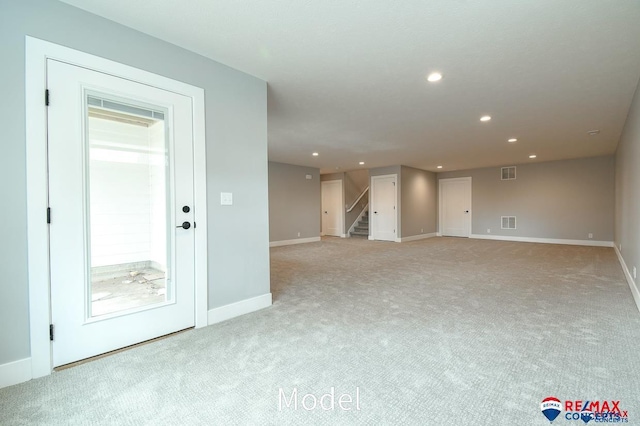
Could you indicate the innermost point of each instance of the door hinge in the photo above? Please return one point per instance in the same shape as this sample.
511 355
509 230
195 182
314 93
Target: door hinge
46 97
48 214
51 332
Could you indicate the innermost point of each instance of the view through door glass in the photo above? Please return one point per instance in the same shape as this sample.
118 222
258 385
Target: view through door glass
128 205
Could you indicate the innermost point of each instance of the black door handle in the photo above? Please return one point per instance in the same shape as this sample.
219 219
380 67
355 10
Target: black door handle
185 225
186 209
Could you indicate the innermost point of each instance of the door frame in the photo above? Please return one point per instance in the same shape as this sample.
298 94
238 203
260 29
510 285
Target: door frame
36 54
342 212
440 181
396 217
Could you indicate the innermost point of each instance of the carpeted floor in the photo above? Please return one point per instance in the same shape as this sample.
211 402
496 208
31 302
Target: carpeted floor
442 331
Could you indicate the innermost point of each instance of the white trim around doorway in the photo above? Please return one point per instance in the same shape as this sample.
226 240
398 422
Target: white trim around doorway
372 236
37 52
440 181
342 203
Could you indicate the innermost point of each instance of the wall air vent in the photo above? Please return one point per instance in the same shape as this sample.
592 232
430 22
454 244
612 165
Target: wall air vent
508 222
508 173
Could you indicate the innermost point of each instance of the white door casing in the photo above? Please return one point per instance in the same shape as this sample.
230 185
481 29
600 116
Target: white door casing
455 207
332 208
38 52
383 212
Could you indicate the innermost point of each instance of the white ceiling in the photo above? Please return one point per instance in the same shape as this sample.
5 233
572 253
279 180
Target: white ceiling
347 77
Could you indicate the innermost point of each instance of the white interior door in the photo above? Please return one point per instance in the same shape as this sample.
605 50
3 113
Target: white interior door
121 192
455 207
332 209
384 197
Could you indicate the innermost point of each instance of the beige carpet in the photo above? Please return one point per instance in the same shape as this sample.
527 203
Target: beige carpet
439 331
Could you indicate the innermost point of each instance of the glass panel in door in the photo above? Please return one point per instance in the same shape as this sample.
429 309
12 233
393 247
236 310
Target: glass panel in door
127 206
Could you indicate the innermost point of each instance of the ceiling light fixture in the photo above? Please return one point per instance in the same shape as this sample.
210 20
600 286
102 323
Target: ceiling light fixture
593 132
512 140
434 76
485 118
361 163
315 154
439 167
532 156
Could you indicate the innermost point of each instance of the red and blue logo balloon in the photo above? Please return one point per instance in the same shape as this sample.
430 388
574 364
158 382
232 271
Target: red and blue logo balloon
551 408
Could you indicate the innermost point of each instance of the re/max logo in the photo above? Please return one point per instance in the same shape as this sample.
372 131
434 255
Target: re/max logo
595 407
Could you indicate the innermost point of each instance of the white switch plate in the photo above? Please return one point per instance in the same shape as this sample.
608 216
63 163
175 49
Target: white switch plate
226 199
308 177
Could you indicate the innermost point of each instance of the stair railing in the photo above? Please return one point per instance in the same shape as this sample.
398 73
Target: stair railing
355 203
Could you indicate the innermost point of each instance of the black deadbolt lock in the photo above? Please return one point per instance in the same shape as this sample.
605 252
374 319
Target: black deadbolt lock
186 209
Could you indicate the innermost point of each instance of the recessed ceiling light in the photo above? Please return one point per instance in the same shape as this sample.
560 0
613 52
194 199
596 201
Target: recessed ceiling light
512 140
434 76
485 118
532 156
361 163
439 167
593 132
315 154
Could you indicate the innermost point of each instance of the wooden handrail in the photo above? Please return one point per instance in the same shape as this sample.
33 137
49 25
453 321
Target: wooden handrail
358 200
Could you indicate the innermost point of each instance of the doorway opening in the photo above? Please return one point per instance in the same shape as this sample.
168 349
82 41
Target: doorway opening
332 203
76 295
455 207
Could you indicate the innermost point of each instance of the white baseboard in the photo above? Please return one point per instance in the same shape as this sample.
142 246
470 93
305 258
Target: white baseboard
590 243
438 234
632 284
418 237
242 307
370 238
15 372
292 242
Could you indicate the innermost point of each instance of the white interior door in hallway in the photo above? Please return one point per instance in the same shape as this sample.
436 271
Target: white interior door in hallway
455 207
121 193
332 208
384 199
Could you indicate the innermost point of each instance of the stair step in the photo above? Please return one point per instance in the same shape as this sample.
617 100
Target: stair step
359 234
361 229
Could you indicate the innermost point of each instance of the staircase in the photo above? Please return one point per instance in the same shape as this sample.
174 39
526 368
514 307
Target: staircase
362 228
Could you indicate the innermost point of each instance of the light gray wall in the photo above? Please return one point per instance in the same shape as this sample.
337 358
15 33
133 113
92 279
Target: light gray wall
332 176
359 180
558 199
390 170
627 224
294 202
236 123
419 201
